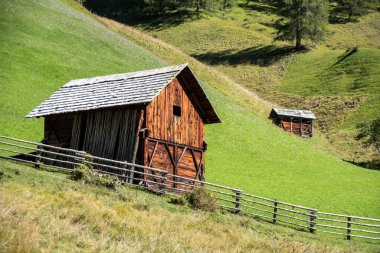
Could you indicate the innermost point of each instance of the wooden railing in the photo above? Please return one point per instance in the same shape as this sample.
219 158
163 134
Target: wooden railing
62 158
232 199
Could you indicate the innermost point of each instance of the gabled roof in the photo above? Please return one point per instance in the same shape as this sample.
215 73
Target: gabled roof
132 88
292 113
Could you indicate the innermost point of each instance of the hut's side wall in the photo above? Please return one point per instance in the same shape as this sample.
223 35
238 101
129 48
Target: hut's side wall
175 143
107 133
294 126
188 129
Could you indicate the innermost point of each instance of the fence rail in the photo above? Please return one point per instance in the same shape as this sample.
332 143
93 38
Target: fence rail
232 199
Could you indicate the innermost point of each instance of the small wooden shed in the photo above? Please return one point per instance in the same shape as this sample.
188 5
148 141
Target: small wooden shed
154 118
299 122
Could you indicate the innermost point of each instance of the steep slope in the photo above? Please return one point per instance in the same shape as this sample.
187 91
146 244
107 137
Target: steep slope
240 43
248 152
46 212
244 151
45 44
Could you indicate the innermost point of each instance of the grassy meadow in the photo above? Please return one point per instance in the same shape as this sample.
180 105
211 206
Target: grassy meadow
46 43
44 211
341 89
43 45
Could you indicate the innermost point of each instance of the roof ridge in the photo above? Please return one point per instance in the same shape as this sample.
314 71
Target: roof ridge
124 76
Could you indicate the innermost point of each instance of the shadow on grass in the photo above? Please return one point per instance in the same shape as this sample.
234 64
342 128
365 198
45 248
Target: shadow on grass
261 56
158 22
276 7
370 165
345 55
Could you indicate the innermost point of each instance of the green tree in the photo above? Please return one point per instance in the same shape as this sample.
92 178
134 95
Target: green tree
303 19
352 7
370 134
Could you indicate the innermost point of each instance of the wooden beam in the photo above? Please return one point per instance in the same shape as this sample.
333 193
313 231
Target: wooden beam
150 159
130 180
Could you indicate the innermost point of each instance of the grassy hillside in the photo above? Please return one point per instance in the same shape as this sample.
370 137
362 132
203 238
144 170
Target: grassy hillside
46 212
250 153
240 43
244 151
44 45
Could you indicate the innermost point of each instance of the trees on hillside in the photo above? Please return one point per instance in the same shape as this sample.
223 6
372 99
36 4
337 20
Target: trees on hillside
304 19
370 134
143 8
352 7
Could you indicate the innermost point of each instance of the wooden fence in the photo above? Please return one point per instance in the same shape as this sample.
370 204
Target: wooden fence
234 200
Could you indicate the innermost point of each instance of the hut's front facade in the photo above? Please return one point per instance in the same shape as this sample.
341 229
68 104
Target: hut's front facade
154 118
299 122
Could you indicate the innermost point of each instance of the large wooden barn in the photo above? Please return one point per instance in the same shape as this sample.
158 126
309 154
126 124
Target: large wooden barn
299 122
154 118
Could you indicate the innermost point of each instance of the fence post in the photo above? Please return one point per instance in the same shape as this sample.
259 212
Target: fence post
38 157
125 174
312 220
275 208
349 228
162 185
237 200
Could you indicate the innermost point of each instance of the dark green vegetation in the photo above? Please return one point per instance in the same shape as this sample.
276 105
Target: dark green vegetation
303 19
244 151
44 211
338 79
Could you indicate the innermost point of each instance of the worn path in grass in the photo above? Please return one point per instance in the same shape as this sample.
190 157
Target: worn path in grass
42 51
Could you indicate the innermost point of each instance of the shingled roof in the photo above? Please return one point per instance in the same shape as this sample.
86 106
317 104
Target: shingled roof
123 89
292 113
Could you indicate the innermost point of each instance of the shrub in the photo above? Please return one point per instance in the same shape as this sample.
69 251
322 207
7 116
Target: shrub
85 173
201 199
181 201
107 181
81 172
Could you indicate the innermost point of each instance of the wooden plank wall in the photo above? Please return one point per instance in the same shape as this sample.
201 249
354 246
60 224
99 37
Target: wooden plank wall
178 160
187 129
107 133
294 127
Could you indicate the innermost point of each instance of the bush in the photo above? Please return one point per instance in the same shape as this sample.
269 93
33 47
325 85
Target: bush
81 172
107 181
201 199
85 173
181 201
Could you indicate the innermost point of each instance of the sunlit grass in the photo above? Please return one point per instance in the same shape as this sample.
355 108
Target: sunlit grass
244 150
46 212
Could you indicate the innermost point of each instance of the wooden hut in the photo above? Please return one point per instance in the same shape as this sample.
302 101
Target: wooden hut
299 122
154 118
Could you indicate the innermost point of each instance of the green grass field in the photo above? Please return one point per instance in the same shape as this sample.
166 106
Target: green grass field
43 211
43 46
240 43
41 52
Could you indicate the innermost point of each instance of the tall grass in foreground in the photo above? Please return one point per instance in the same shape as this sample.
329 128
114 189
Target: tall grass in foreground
44 212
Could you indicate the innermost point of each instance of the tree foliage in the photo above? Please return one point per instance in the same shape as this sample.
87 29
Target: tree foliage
370 134
303 19
142 8
352 8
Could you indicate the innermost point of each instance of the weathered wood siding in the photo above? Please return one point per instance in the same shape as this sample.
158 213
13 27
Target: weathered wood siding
107 133
297 127
188 129
178 160
175 142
